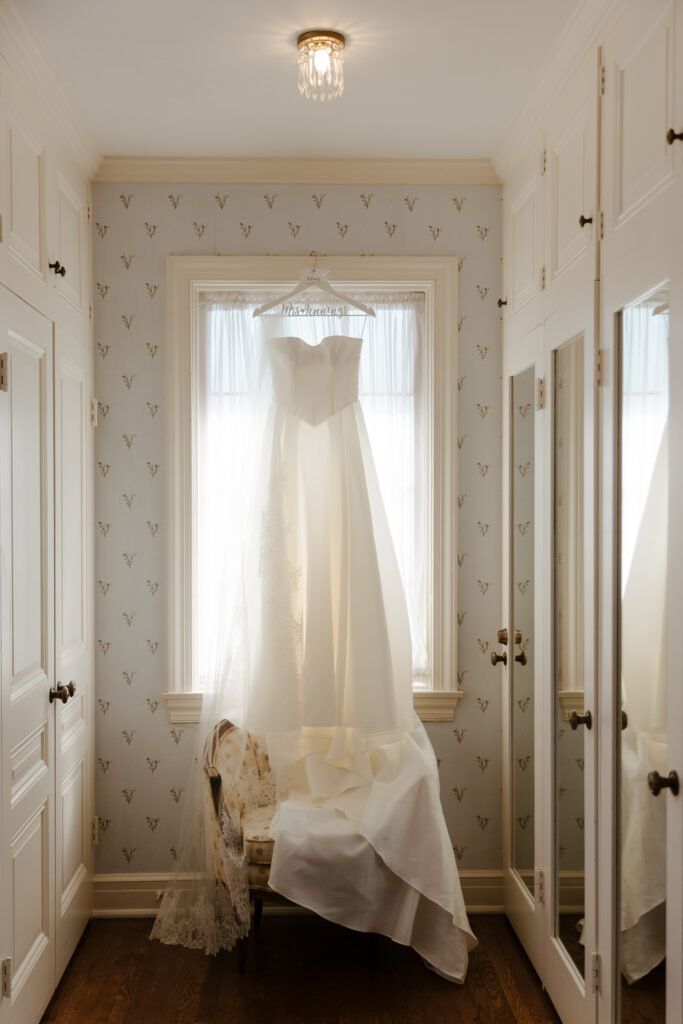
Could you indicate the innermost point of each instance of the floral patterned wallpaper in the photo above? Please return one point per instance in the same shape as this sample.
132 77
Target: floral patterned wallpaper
142 761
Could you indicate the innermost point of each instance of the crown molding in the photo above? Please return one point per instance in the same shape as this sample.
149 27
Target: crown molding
579 35
26 59
288 171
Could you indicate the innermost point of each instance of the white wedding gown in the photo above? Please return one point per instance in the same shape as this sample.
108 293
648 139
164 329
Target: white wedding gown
361 837
324 672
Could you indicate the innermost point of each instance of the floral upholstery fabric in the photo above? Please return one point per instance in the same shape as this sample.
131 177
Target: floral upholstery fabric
258 845
235 767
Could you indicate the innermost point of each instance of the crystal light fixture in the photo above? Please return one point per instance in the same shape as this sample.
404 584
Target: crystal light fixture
321 64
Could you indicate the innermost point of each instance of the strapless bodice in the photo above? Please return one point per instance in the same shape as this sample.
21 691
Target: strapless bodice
313 382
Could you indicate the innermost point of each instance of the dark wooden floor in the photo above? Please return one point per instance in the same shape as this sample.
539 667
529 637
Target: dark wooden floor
301 970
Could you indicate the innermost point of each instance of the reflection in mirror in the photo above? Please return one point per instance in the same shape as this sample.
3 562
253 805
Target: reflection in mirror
569 646
522 619
642 663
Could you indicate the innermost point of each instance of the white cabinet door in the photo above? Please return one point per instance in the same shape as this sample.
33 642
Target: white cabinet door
573 218
641 913
520 647
27 934
674 885
523 256
67 231
74 577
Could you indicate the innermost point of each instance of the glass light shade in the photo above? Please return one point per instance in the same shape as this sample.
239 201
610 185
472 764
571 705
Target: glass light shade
321 64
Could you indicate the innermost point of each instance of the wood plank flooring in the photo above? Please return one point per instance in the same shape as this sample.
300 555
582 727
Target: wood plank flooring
300 970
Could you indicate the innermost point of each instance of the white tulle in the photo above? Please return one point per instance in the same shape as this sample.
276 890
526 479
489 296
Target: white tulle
310 636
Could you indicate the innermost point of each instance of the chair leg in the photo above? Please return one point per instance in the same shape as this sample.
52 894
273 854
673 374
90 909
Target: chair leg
258 910
242 950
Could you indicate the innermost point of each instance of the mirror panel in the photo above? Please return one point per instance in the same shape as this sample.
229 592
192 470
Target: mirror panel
643 494
520 647
568 646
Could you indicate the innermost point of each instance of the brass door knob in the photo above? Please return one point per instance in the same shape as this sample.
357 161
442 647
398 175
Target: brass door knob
503 636
657 783
495 658
575 719
62 692
624 721
521 657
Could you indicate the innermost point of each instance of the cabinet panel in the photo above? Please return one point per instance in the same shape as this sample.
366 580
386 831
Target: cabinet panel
72 413
31 892
572 194
525 257
572 171
71 217
73 852
26 209
639 70
27 516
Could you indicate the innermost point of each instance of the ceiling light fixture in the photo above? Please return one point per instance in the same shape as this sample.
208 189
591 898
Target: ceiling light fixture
321 64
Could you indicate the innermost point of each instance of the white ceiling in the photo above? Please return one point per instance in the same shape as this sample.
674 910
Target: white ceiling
437 79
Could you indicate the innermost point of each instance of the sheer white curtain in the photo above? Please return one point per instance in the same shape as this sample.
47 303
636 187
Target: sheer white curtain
644 524
644 495
394 393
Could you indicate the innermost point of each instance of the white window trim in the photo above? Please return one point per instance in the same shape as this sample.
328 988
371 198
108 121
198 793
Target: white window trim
186 276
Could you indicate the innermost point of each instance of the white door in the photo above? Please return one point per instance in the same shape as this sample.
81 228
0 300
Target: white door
520 643
27 932
550 821
566 577
74 577
641 711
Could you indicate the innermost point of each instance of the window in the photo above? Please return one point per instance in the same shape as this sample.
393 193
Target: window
407 390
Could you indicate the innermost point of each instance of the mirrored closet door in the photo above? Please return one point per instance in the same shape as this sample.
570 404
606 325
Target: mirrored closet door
641 559
568 579
515 653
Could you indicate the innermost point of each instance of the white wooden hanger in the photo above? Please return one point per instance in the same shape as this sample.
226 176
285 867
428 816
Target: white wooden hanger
314 278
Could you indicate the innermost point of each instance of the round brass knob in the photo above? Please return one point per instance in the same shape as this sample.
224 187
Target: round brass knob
672 136
521 657
584 220
495 658
657 783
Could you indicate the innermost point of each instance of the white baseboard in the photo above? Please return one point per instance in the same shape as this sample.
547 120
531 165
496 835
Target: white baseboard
139 895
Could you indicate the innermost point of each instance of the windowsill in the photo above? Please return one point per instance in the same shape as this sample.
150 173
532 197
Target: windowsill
431 705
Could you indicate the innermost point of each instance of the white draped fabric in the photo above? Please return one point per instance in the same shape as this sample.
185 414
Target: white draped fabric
233 396
305 635
644 497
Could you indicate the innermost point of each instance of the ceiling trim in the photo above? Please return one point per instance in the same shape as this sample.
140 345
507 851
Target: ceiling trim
26 59
315 171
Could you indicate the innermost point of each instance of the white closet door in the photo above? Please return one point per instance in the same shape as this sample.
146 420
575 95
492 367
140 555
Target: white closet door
74 575
674 938
521 644
27 932
640 542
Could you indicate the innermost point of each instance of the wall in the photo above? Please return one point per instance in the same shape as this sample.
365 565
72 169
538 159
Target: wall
142 760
